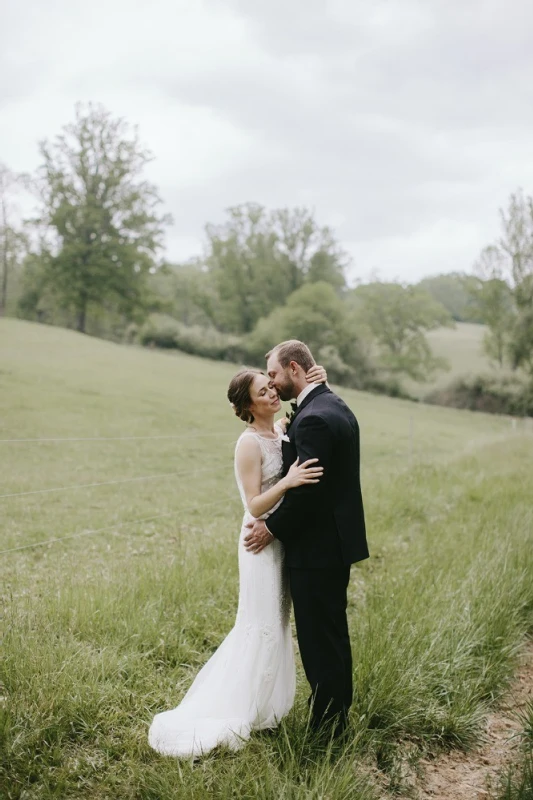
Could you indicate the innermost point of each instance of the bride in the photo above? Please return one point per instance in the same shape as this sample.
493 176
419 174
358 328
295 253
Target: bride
249 682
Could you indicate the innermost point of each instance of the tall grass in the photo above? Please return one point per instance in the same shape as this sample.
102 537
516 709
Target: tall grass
102 632
517 781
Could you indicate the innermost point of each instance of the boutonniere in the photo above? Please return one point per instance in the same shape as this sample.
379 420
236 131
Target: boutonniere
285 438
291 414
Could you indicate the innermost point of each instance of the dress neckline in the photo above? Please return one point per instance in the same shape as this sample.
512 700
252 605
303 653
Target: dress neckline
266 438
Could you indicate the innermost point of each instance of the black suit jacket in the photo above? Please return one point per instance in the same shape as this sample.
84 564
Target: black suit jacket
323 524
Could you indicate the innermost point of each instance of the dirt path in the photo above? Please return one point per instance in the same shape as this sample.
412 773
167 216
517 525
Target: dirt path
470 776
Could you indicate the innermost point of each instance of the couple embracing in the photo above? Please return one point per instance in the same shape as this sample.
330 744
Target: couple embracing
303 527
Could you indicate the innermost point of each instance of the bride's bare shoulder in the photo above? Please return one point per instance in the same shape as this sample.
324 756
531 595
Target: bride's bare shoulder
248 443
248 452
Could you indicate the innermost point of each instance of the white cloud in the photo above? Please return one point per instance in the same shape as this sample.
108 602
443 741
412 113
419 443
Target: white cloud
404 123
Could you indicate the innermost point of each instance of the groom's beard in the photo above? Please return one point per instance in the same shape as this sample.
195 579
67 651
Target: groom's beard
286 390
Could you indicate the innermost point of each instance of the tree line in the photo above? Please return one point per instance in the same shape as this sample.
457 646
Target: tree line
92 258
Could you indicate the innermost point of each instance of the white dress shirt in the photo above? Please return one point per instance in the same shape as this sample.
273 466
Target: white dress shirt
305 392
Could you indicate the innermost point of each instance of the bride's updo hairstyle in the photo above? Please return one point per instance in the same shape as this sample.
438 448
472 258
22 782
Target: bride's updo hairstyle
239 393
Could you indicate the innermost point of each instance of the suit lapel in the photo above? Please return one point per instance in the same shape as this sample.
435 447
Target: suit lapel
287 448
307 399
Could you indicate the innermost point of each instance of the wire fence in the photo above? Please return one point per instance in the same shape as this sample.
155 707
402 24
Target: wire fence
115 525
515 426
183 473
196 435
160 476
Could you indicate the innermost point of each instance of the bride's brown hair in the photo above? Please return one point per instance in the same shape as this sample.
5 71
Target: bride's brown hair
239 393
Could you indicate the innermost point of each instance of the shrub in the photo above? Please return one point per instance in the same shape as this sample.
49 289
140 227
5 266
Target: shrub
489 393
390 386
167 333
195 340
131 334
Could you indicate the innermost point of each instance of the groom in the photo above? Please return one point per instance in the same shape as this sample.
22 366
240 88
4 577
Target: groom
322 527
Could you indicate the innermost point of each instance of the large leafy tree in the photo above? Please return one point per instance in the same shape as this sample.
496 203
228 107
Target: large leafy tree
13 240
505 291
493 296
516 245
257 258
103 215
186 292
315 314
398 317
453 290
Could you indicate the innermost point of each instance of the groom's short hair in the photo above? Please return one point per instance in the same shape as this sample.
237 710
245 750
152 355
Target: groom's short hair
292 350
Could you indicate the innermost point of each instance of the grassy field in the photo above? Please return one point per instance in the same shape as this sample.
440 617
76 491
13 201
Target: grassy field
462 347
132 478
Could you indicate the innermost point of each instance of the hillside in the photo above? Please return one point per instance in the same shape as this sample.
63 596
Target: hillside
119 571
462 347
58 383
129 412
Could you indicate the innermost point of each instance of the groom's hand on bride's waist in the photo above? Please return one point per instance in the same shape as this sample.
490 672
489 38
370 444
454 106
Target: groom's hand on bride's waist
259 536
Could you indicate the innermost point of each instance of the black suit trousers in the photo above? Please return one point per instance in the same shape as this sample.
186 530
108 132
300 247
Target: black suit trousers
320 600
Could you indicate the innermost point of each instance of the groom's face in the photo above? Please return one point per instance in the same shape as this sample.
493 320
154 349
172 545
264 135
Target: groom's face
280 378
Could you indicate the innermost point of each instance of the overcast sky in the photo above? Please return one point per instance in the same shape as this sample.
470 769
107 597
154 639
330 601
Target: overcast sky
405 124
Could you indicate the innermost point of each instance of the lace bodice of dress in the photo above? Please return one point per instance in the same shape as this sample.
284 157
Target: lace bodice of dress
271 465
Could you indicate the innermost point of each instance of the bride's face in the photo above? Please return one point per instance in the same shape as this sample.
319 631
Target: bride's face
265 399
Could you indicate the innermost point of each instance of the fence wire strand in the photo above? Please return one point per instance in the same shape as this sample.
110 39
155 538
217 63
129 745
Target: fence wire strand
187 473
196 435
110 527
90 532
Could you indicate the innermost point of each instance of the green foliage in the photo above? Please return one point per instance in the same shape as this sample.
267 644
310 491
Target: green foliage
492 394
398 317
13 249
96 269
453 291
521 344
526 717
13 239
517 783
516 243
196 340
185 292
36 299
506 296
317 315
104 215
496 300
493 297
258 258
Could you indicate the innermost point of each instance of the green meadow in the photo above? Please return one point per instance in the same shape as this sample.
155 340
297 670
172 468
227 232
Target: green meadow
118 573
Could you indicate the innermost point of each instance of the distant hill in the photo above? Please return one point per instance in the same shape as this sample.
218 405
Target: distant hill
462 346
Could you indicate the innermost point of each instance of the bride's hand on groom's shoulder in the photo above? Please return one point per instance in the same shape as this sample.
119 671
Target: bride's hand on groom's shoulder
317 374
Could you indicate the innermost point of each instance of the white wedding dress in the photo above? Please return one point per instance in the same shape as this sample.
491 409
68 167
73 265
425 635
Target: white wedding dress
249 682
